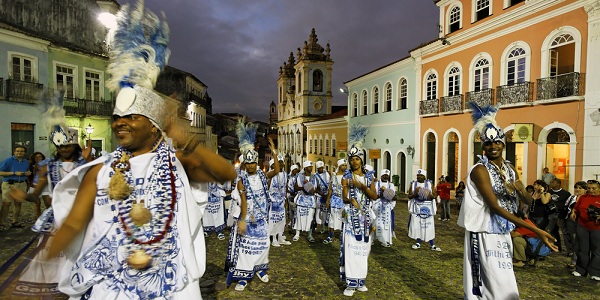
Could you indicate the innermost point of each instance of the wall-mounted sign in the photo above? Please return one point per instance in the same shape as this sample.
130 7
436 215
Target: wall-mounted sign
374 153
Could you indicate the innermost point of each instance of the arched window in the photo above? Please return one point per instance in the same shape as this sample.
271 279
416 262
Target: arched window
299 85
310 145
403 94
326 146
354 105
364 103
562 44
375 100
333 146
317 81
482 75
516 64
388 98
454 82
315 145
431 86
454 23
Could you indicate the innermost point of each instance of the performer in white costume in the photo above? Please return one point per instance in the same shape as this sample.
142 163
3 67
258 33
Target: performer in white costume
384 208
422 208
40 278
130 221
248 251
291 196
213 219
358 190
278 189
336 201
322 194
487 214
305 187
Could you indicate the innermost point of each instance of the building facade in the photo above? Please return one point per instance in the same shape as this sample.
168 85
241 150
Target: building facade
384 101
528 57
303 95
327 139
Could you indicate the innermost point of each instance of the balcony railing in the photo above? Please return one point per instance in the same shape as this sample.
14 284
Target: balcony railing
428 107
518 93
482 98
83 107
23 91
564 85
452 103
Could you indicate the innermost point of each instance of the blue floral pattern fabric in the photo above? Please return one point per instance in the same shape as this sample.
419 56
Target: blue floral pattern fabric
499 175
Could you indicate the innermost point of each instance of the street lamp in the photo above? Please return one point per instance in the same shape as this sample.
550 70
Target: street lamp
344 90
108 20
411 151
89 130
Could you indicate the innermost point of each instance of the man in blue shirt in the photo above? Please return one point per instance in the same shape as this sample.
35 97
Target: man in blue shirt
14 170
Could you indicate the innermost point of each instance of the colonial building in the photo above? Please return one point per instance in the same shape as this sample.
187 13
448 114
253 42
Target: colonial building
533 58
384 100
327 138
303 95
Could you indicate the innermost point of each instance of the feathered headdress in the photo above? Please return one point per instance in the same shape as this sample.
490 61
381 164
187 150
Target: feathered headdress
56 123
247 136
138 54
356 137
484 119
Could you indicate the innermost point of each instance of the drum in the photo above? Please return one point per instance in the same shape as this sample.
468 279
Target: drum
389 194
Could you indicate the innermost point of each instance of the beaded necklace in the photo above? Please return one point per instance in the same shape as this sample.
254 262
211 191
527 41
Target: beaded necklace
145 235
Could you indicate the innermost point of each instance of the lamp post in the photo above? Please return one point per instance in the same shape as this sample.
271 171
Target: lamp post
89 130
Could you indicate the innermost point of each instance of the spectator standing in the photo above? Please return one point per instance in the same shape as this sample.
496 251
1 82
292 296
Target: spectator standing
15 170
547 176
443 191
537 208
460 194
571 238
587 213
558 197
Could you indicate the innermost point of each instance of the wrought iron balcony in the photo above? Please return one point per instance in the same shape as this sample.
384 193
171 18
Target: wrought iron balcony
23 91
564 85
83 107
518 93
452 103
482 98
428 107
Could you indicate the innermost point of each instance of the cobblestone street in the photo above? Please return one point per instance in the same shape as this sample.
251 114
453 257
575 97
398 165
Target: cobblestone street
311 271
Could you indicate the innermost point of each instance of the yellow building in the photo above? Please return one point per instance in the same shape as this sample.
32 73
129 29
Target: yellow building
327 138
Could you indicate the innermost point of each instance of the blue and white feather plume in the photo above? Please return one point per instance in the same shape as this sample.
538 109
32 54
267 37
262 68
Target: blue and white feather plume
246 133
484 121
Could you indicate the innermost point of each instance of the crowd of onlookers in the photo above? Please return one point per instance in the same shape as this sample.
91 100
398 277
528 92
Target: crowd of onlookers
571 218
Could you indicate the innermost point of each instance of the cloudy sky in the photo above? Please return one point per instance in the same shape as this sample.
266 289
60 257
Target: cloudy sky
236 47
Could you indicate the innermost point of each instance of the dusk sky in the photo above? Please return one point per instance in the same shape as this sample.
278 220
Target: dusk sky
236 47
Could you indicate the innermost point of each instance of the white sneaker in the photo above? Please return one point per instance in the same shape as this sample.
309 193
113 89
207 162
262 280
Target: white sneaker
275 244
296 238
434 248
576 274
597 278
349 292
362 289
284 242
416 246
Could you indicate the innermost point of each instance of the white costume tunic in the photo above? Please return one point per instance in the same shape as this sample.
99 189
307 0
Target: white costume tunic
40 277
322 212
249 253
305 203
278 197
422 209
355 245
337 204
384 210
96 264
214 215
488 271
